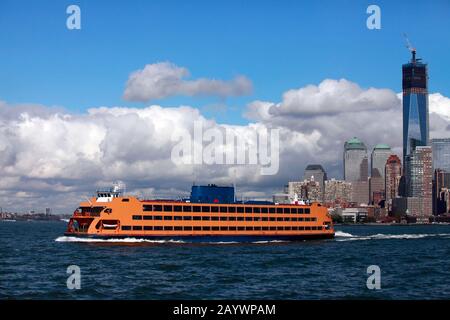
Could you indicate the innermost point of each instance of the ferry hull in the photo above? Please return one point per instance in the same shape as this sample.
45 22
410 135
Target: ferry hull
210 238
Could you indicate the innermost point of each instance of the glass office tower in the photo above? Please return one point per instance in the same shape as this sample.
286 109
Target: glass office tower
415 105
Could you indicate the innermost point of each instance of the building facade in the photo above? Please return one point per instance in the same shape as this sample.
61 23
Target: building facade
315 172
355 160
393 174
338 192
378 158
441 153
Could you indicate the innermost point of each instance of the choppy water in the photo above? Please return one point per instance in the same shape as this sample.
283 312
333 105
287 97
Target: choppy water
414 262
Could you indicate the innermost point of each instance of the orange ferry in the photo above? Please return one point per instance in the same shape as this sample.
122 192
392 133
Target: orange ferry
211 214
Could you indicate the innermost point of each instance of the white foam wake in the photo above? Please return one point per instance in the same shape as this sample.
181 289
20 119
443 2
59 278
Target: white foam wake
124 240
343 234
381 236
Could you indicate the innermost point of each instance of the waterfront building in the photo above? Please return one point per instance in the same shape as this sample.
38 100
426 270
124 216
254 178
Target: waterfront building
338 192
393 174
360 192
415 105
419 168
376 189
441 153
315 172
355 160
441 181
305 190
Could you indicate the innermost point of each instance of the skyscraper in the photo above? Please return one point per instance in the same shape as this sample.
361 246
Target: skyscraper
355 160
441 154
415 105
393 173
378 158
315 172
420 173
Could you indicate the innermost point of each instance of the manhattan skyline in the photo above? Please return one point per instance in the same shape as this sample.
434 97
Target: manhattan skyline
73 117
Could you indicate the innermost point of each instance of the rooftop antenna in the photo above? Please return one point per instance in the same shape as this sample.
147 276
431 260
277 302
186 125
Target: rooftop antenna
410 47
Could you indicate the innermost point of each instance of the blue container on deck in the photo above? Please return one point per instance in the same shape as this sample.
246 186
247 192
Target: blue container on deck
212 194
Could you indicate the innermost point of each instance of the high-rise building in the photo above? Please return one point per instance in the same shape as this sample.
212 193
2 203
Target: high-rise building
441 183
315 172
338 192
378 158
420 172
441 153
360 192
305 190
355 160
415 105
393 174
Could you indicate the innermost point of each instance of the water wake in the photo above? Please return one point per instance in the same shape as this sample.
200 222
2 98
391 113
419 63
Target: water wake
124 240
343 236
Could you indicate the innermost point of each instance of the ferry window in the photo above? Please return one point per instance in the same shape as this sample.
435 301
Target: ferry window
232 228
206 209
125 200
240 228
313 219
187 208
177 218
223 209
204 218
206 228
197 228
301 219
177 208
287 210
178 228
168 208
248 218
279 219
148 217
137 217
215 218
271 210
265 219
293 210
300 210
158 217
157 207
223 228
264 210
197 218
147 207
307 210
256 218
197 209
293 219
231 209
187 218
240 218
187 228
148 228
307 228
126 227
294 228
232 218
306 219
280 228
265 228
167 217
287 228
287 219
240 209
137 227
301 228
272 219
279 210
257 228
215 228
223 218
248 209
256 210
168 228
157 228
249 228
273 228
214 209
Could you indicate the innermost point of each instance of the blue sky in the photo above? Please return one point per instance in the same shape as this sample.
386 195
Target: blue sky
279 45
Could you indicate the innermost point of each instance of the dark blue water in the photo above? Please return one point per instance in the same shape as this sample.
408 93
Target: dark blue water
414 263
